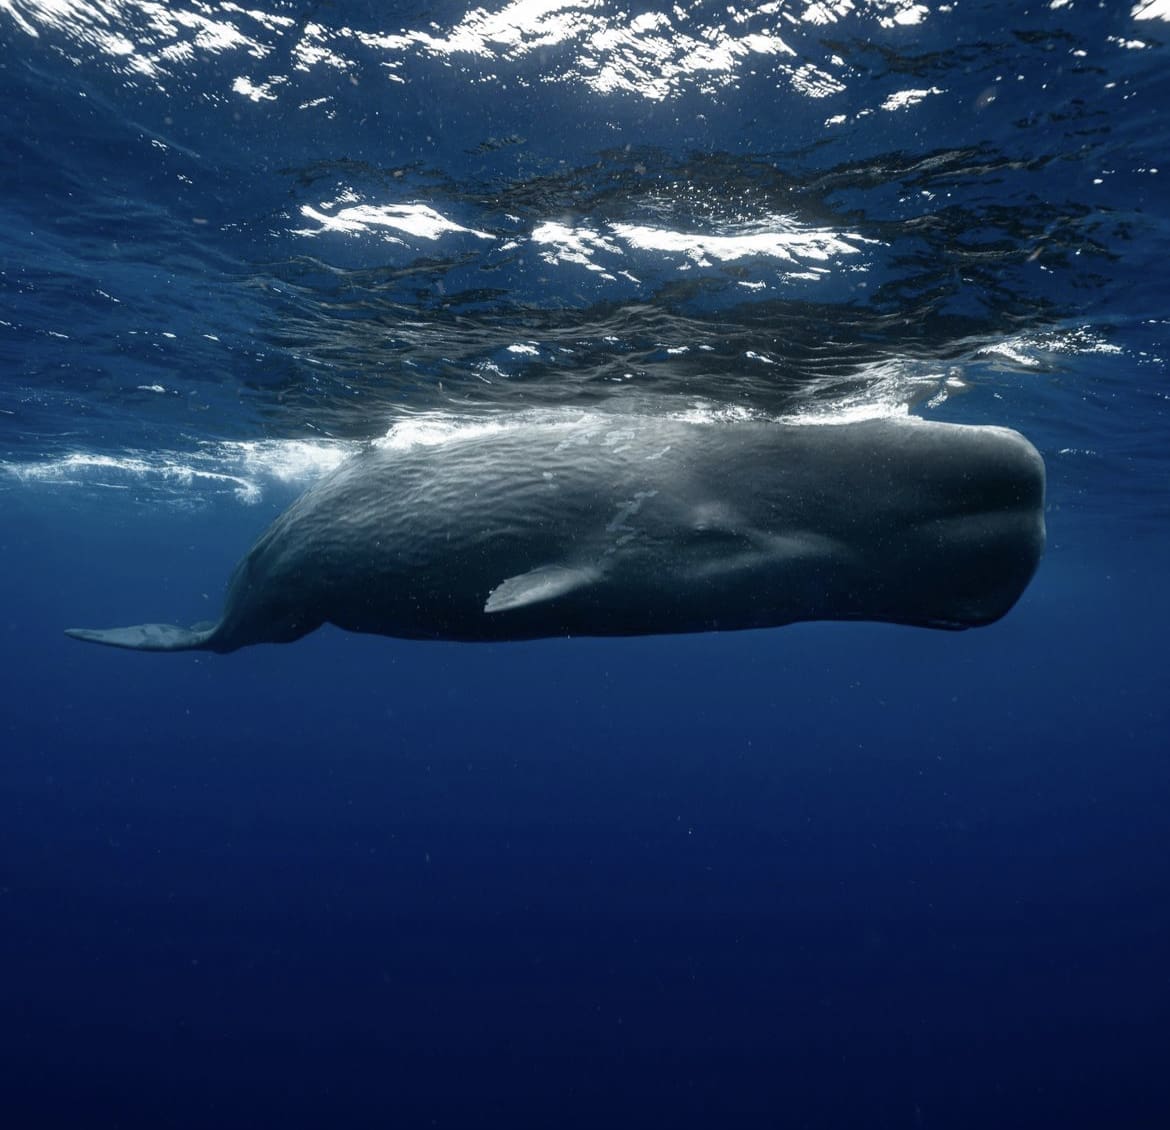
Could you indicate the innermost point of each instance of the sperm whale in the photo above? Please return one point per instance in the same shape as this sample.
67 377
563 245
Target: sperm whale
606 524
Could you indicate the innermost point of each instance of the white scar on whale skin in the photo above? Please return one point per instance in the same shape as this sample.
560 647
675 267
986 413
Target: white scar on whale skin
654 524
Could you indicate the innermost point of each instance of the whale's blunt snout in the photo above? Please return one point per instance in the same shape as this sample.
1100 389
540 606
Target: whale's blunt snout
992 544
1022 485
987 468
1025 467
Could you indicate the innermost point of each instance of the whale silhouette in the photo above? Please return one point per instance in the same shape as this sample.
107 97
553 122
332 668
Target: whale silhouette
602 524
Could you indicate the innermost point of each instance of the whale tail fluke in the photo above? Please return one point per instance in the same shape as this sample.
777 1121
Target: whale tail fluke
147 637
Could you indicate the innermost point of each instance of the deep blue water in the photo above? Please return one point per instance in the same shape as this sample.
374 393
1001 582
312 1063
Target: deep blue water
827 875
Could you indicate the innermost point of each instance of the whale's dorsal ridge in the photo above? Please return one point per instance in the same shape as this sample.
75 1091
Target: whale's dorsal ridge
534 587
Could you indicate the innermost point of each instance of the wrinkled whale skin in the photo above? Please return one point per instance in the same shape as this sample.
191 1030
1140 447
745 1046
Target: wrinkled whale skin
610 525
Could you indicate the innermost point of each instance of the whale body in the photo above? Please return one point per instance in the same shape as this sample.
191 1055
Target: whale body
610 525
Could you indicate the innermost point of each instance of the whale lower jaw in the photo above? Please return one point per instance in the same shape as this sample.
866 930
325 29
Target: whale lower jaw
146 637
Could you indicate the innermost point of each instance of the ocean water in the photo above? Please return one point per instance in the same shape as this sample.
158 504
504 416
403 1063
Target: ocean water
830 875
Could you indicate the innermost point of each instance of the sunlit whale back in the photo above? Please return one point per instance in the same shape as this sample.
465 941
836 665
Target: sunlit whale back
610 525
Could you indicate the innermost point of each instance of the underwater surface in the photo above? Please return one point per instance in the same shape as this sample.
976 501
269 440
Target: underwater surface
826 875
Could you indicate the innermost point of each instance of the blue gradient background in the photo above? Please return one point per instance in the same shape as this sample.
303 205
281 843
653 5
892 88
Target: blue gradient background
827 876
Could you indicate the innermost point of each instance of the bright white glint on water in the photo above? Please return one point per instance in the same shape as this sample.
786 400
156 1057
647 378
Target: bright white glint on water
261 93
905 15
788 245
903 99
783 240
563 244
1152 10
656 55
413 219
152 37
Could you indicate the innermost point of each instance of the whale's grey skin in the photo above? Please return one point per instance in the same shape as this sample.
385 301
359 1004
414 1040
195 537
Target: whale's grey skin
616 525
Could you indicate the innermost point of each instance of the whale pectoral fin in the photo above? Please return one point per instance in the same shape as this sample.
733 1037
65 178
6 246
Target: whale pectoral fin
146 637
546 583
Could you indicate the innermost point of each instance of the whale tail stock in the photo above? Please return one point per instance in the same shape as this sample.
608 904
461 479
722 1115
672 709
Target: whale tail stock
148 637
